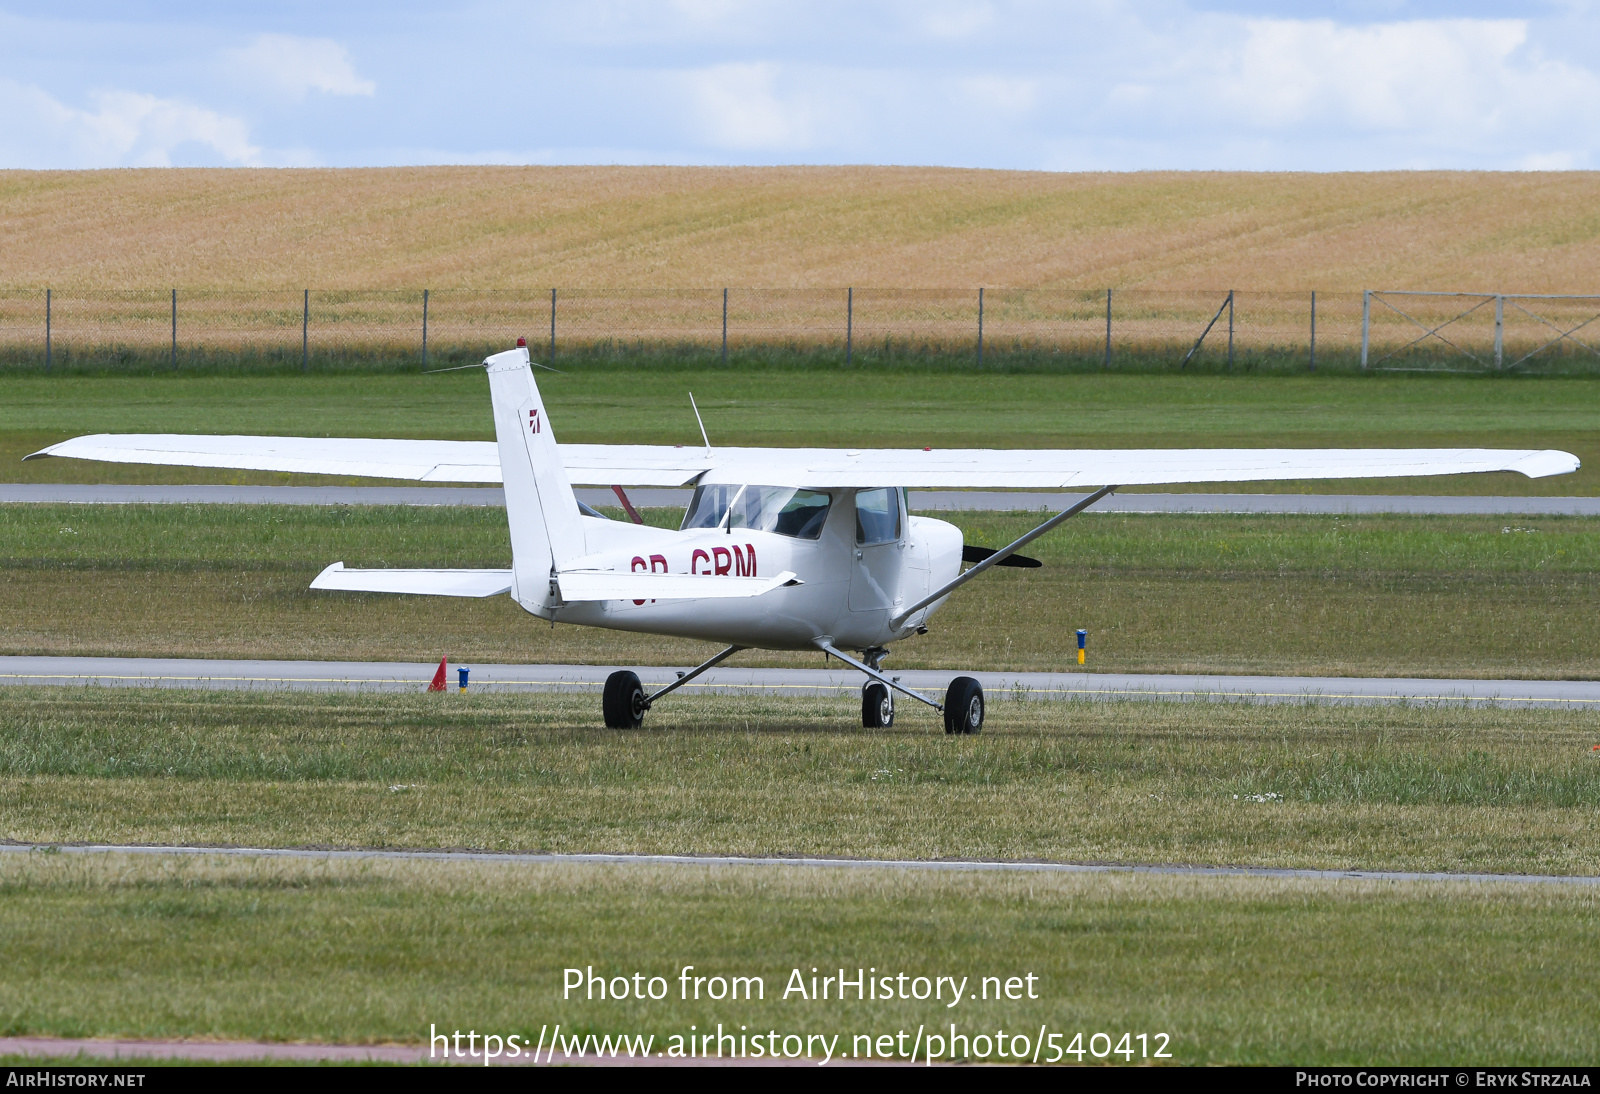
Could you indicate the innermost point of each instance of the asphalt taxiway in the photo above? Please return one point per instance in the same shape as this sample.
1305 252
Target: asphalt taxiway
513 858
833 681
921 500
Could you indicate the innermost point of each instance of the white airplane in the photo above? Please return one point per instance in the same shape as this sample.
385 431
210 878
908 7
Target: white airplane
780 549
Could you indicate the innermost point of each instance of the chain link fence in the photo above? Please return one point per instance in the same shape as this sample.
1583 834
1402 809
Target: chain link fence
1478 332
51 329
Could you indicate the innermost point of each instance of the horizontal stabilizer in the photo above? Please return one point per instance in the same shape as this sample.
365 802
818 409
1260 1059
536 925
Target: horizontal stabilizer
416 582
579 585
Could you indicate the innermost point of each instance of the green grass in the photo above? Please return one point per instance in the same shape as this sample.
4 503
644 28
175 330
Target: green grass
848 408
1235 971
1339 787
899 357
1372 595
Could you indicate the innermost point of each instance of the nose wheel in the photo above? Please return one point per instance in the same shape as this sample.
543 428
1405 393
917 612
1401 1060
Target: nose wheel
877 706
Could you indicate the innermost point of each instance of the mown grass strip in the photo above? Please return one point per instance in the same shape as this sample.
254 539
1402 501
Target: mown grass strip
862 407
1370 595
1411 788
1236 970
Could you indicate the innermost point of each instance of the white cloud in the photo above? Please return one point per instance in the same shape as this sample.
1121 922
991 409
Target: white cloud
298 65
714 12
1061 84
1551 161
1439 92
1435 74
739 106
999 93
126 129
956 21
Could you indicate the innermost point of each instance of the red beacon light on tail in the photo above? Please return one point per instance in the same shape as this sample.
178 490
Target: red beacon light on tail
522 343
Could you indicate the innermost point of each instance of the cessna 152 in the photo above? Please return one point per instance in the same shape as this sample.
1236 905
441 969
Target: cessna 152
782 549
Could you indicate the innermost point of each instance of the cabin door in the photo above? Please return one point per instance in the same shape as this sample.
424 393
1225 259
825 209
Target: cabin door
879 552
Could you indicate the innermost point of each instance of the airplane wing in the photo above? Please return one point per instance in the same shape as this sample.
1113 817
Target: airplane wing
478 583
380 458
949 468
619 585
420 461
954 469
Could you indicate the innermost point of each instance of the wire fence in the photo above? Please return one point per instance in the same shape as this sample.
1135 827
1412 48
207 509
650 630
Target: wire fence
49 328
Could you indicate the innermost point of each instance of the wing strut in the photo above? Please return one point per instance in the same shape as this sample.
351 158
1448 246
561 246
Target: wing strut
622 496
998 557
685 677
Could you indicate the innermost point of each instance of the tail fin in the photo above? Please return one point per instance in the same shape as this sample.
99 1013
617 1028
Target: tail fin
540 506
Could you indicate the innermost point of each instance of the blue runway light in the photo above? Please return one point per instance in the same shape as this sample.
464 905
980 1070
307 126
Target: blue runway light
1083 644
462 673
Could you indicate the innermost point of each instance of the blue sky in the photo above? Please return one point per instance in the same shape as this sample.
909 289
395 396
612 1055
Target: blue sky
1251 84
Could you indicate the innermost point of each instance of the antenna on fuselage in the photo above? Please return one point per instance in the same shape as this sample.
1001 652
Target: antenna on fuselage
703 436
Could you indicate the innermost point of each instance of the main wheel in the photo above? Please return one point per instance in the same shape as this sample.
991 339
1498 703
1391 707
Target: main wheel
963 706
623 701
877 706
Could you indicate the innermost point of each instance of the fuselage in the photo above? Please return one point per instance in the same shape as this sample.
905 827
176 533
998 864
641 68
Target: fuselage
856 573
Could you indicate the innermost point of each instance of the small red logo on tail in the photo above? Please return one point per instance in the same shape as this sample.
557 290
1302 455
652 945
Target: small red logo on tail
533 421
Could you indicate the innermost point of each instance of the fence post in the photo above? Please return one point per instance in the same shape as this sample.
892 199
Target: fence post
47 330
1108 328
1366 322
724 328
1312 367
552 360
424 330
1499 328
305 331
980 327
174 330
849 320
1230 330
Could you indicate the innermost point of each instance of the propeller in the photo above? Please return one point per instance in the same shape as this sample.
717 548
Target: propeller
969 553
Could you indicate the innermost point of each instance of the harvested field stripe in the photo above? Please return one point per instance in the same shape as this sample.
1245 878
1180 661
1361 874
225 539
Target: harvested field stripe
961 865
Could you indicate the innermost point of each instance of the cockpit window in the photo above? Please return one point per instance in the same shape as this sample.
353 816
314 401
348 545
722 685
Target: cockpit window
781 509
877 516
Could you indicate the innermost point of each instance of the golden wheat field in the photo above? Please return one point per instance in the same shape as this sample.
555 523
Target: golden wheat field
526 228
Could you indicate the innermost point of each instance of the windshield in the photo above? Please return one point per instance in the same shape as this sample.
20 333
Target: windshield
782 509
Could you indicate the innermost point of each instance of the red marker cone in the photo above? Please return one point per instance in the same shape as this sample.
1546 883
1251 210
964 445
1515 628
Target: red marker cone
438 677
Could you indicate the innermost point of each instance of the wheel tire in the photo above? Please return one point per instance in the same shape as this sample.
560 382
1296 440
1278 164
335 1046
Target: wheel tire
877 706
623 701
963 706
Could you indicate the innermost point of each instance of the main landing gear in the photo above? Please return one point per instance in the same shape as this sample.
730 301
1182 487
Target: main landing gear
963 706
625 700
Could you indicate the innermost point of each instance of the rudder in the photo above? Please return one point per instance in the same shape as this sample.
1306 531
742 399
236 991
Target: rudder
541 509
